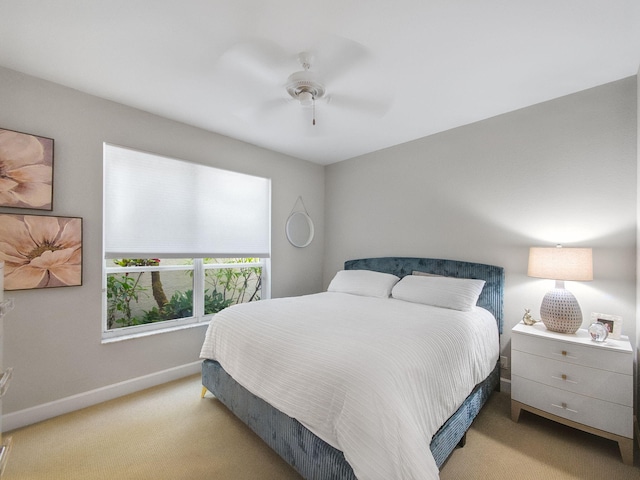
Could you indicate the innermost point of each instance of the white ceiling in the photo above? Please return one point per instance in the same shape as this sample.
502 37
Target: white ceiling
433 64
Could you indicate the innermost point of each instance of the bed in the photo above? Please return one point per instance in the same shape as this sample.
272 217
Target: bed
304 443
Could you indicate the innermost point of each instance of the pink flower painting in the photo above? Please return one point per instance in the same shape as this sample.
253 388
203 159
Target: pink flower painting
40 251
26 170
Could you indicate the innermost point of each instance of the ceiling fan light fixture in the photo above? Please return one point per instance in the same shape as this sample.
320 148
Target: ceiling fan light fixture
304 87
306 98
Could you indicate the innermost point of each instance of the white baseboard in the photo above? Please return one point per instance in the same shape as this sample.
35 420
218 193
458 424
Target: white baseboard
31 415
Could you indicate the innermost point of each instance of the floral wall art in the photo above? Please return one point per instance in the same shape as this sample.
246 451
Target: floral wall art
26 170
40 251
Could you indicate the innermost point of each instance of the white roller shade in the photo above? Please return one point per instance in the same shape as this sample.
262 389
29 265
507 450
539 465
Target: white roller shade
156 206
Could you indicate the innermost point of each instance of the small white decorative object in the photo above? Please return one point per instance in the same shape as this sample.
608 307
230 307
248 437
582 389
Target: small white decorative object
598 332
527 318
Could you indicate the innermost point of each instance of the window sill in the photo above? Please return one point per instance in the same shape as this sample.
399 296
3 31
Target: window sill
131 336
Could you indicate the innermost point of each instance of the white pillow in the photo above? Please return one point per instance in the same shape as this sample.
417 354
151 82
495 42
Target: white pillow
447 292
426 274
363 282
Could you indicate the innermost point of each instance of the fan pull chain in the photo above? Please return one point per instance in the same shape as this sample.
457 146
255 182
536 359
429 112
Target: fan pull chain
314 110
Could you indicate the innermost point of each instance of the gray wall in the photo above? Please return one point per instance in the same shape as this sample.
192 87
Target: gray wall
52 338
563 171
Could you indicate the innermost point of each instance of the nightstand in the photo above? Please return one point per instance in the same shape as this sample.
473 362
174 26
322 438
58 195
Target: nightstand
575 381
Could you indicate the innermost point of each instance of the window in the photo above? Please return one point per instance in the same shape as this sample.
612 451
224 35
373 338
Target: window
181 241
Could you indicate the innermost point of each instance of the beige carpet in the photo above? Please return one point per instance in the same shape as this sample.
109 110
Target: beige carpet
168 432
533 449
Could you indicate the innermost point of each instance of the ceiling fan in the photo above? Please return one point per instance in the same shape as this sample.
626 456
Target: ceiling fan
266 67
304 85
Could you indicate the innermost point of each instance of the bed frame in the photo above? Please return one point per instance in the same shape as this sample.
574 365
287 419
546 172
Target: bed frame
313 458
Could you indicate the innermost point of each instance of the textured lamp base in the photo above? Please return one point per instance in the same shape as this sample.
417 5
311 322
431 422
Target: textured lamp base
560 311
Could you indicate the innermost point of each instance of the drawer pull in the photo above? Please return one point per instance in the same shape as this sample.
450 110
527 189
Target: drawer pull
564 406
565 354
564 378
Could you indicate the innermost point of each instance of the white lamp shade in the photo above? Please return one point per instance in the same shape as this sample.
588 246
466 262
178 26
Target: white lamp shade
560 311
559 263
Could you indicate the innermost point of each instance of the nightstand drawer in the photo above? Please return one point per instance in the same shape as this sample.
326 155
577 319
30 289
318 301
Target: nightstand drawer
610 417
591 382
590 356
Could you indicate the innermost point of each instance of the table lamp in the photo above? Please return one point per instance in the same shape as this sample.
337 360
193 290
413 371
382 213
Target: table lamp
560 311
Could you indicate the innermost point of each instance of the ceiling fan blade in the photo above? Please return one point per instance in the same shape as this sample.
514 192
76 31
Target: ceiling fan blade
263 60
335 56
265 110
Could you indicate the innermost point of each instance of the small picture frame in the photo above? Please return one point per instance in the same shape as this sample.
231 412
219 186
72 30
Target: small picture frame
613 323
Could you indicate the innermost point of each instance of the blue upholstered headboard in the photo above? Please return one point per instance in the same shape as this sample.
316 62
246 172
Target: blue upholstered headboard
492 294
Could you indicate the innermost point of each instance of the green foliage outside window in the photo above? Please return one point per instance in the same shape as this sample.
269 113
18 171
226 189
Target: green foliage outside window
223 287
239 285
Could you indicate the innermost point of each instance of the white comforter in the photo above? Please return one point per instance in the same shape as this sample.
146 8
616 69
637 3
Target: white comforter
375 378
